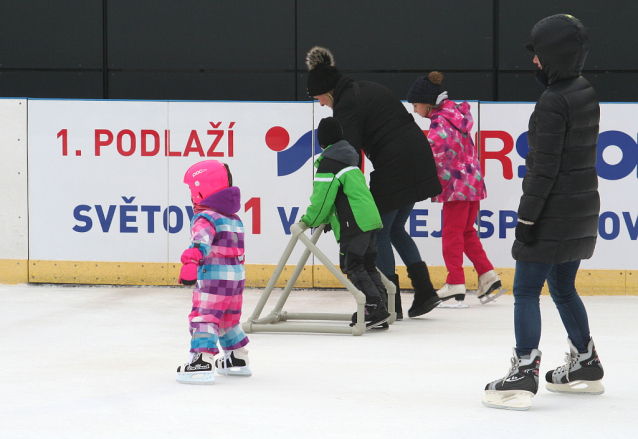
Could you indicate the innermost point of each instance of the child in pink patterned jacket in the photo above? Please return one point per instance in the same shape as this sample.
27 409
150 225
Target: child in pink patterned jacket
463 187
214 263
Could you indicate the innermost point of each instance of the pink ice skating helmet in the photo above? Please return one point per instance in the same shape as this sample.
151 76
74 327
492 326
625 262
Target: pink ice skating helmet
207 177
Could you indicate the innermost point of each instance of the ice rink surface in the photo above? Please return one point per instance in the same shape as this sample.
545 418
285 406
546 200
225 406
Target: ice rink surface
99 362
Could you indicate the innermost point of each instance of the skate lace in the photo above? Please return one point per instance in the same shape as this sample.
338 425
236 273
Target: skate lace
570 361
226 361
513 367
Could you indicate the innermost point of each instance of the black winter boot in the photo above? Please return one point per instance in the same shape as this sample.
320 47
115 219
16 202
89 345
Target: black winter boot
397 297
425 297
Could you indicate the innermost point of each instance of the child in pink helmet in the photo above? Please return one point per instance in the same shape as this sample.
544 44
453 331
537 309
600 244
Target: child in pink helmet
214 263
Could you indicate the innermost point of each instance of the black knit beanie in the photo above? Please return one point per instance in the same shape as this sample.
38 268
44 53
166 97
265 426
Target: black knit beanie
322 73
426 89
329 132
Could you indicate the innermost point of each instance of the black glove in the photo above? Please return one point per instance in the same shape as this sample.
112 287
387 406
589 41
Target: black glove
327 228
524 233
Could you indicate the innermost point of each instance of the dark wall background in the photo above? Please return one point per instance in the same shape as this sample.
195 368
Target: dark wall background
255 50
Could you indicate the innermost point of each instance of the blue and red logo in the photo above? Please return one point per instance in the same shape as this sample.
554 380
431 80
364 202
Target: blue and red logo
291 159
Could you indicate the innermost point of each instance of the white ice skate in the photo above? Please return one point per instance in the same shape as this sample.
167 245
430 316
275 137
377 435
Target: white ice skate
452 291
489 287
234 363
581 374
198 369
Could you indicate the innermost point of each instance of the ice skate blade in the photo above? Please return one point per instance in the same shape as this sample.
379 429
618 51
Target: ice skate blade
382 327
578 387
371 325
235 371
201 378
508 399
458 305
378 325
489 297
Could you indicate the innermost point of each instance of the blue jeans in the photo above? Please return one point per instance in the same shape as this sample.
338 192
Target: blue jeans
394 234
528 282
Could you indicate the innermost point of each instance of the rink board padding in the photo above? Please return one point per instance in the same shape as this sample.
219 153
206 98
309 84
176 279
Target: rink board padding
14 271
588 282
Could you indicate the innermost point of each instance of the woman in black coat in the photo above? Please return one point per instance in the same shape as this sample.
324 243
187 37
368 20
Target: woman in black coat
557 217
375 121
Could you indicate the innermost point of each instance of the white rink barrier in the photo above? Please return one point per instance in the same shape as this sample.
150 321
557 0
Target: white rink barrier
106 202
14 221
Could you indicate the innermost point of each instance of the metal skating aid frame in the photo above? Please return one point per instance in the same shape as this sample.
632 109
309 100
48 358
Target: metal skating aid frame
273 322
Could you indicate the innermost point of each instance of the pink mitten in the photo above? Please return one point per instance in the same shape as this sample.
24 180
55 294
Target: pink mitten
192 255
190 259
188 274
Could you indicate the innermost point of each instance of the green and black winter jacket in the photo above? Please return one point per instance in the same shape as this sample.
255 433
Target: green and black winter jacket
340 195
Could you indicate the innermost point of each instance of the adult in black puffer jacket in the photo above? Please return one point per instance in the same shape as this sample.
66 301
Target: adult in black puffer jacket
560 188
557 216
375 121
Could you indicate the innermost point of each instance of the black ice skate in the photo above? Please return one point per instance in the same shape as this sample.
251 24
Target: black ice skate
234 363
582 373
198 369
516 390
376 315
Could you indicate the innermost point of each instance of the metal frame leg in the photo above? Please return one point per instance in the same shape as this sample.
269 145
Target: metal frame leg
267 324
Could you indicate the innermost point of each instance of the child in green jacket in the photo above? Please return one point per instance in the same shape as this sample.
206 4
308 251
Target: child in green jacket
341 198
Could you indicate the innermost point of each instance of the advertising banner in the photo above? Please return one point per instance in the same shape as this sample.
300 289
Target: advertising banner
98 180
618 186
106 178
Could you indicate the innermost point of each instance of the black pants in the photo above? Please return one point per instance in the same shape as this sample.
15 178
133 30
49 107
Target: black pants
357 260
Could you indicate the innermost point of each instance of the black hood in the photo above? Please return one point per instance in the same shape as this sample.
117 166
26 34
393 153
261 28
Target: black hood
561 44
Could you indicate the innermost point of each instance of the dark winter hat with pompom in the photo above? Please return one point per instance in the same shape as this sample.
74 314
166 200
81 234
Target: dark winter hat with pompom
329 132
426 89
322 73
